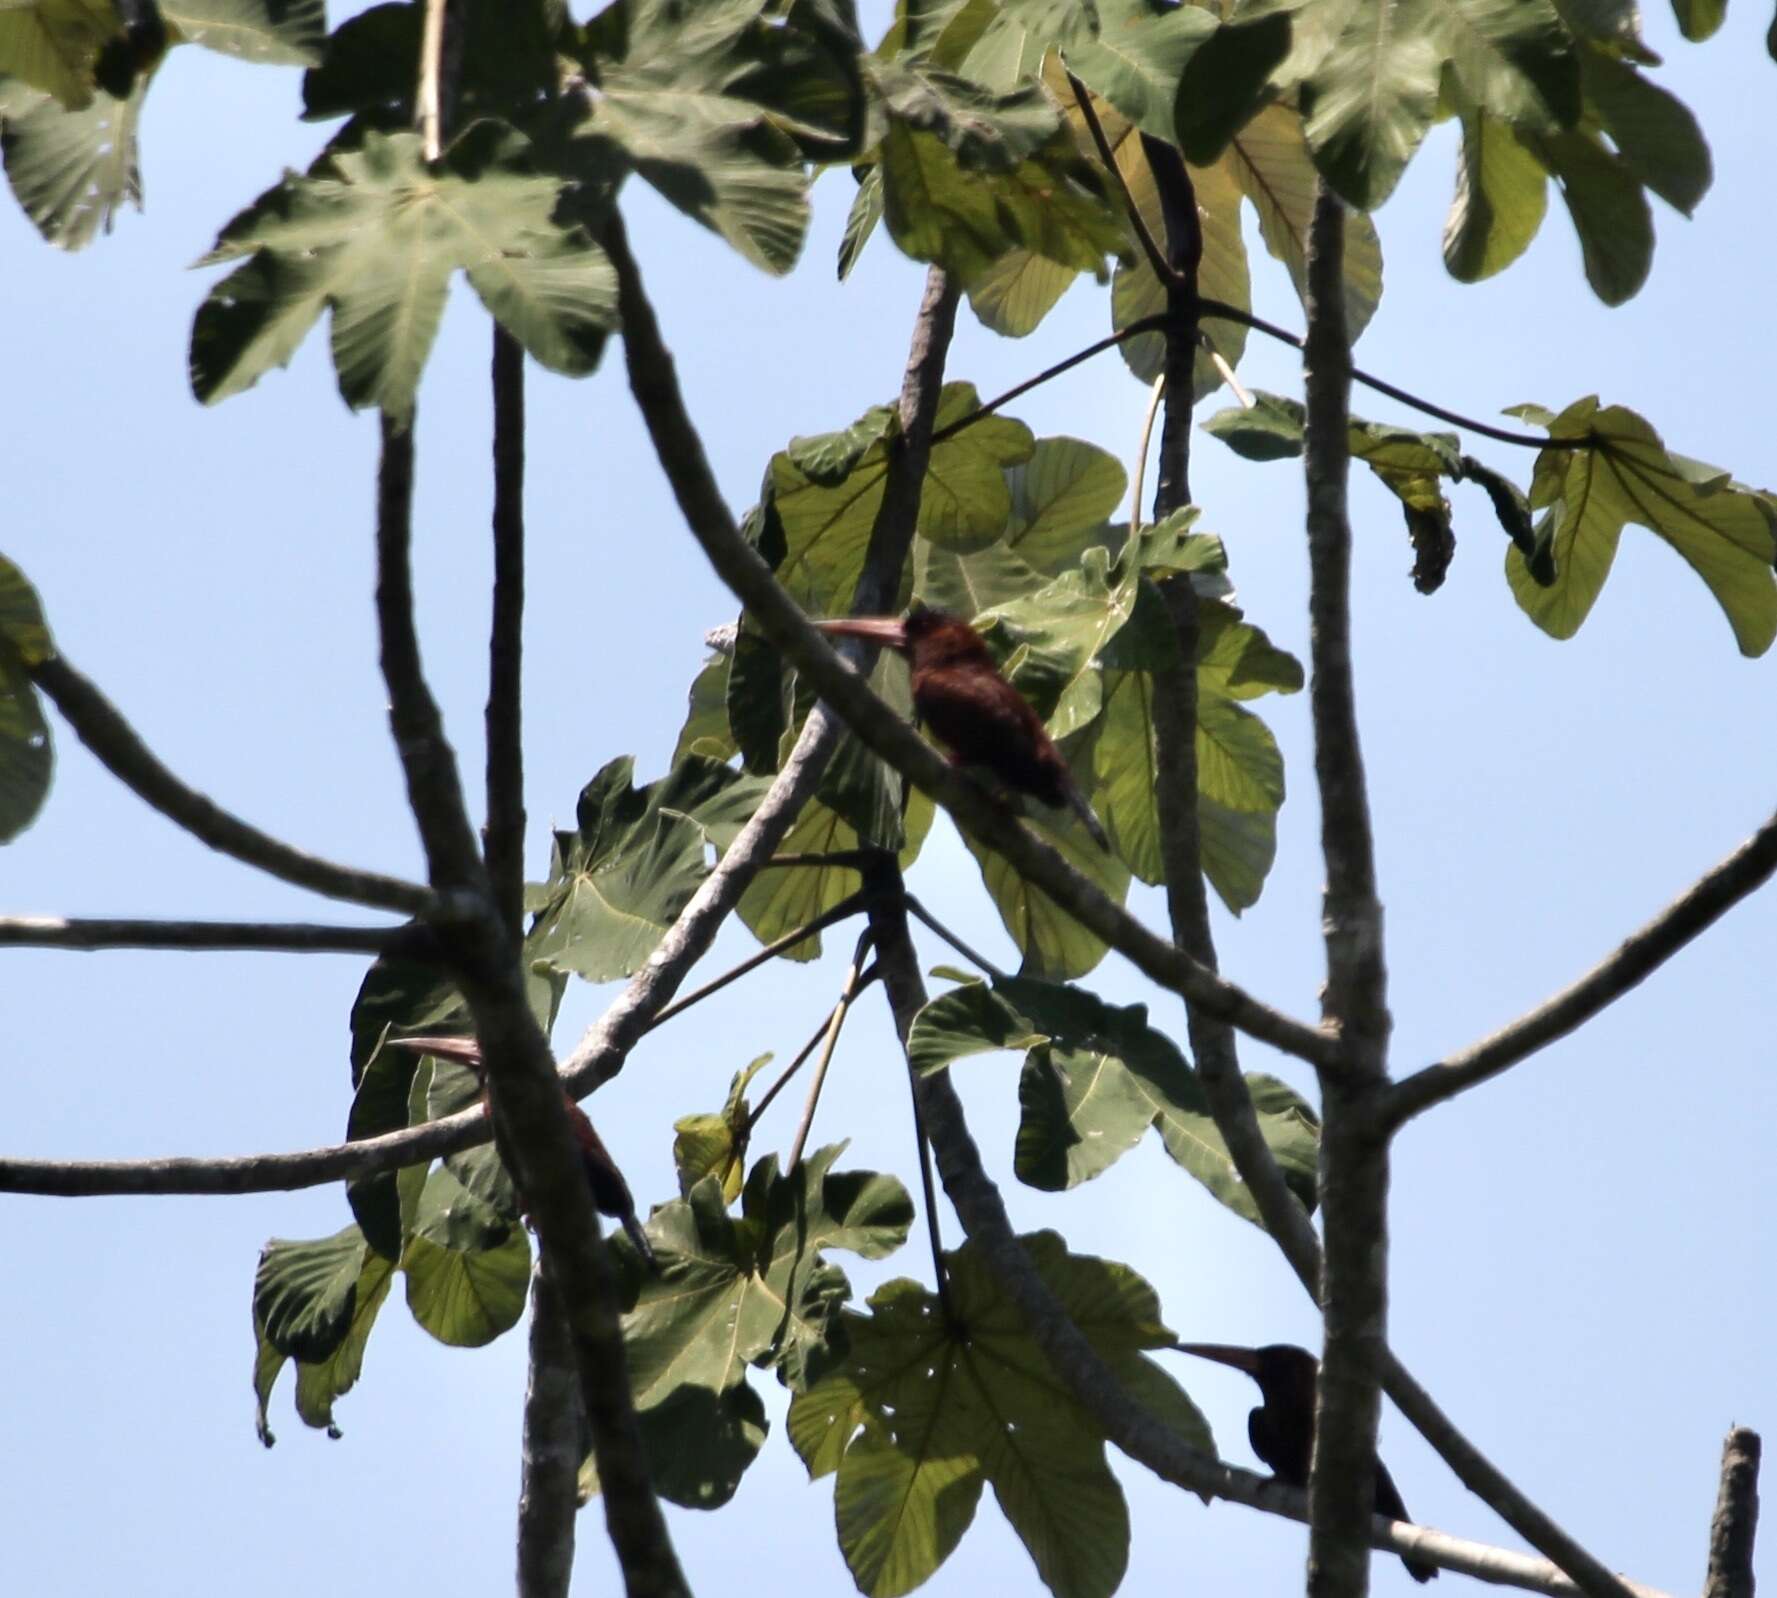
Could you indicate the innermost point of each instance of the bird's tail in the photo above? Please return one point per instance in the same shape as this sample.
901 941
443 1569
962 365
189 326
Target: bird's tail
646 1249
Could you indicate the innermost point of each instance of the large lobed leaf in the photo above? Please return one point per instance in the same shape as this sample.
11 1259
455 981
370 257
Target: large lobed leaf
933 1402
1096 1077
374 234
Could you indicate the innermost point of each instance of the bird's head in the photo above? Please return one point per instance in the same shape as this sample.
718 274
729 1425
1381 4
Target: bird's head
923 633
1284 1372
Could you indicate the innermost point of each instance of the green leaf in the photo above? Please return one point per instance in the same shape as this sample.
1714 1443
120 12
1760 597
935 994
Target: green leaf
1720 529
930 1405
468 1268
1511 58
1136 62
1500 201
1060 499
1223 81
27 756
1012 295
1291 1130
1698 19
271 32
304 1292
1268 158
620 880
706 714
1238 848
1609 211
52 45
699 1444
1371 99
1657 138
319 1385
374 234
968 175
71 170
716 1145
1270 429
861 220
1221 275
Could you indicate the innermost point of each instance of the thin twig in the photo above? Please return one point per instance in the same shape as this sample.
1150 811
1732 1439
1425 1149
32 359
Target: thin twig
979 961
99 725
1162 269
1700 906
1353 1157
1139 475
529 1114
1732 1531
1220 310
287 937
828 860
842 911
552 1449
1184 254
783 1077
847 994
503 842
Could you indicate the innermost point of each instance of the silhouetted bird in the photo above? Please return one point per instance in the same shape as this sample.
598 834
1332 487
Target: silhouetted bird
1281 1429
610 1193
959 693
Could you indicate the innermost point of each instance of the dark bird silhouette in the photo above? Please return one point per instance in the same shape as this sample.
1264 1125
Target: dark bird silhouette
959 693
610 1193
1281 1429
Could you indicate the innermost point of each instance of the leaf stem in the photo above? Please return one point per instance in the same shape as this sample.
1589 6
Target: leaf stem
979 961
503 842
852 987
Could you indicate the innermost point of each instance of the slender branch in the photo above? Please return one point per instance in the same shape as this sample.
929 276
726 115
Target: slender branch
552 1449
979 961
802 1054
530 1118
1184 254
288 937
99 725
656 388
844 910
504 838
848 992
1700 906
1732 1531
1161 267
1221 311
1353 1156
824 860
1145 442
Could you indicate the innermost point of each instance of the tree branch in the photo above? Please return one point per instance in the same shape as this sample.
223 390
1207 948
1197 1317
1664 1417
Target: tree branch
1700 906
1353 1153
655 384
504 838
1735 1525
530 1117
288 937
99 725
552 1450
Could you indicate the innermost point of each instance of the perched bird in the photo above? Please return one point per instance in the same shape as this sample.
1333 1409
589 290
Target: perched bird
610 1193
1281 1429
959 693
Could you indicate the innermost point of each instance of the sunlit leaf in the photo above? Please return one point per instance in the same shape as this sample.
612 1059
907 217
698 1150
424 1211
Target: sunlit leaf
304 1292
468 1268
1500 201
71 170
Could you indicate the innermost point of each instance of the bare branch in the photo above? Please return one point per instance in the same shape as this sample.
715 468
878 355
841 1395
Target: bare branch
655 384
529 1114
979 961
1700 906
848 992
1353 1156
99 725
552 1450
503 843
429 101
1732 1531
286 937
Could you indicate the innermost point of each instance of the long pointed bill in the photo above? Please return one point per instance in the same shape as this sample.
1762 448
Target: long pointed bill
889 630
464 1051
1242 1359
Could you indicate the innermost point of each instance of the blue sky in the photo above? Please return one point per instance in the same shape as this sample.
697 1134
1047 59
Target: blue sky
1581 1250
